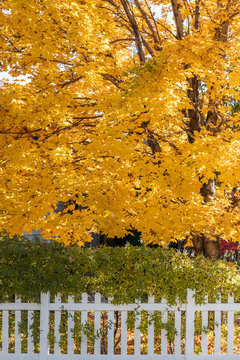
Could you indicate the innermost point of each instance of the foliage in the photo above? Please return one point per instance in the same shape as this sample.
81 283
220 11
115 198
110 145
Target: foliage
126 274
128 113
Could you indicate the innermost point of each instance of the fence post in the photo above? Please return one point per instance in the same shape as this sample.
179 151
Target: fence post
44 326
190 317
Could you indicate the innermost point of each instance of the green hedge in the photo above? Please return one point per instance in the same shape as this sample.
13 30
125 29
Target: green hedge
28 268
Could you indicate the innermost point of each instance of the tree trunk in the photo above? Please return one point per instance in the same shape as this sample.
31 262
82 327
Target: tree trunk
203 245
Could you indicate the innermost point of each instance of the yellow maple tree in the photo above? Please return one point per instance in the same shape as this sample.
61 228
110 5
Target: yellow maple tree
128 115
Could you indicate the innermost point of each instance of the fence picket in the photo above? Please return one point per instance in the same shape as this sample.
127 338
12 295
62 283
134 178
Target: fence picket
190 316
204 332
110 331
83 322
70 345
124 333
217 329
5 328
177 340
57 321
230 323
44 326
97 326
137 331
150 328
30 344
164 339
17 333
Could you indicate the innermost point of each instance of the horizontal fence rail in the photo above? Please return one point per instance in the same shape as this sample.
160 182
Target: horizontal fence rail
94 328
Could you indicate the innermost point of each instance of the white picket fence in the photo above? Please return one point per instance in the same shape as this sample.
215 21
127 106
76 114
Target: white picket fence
183 316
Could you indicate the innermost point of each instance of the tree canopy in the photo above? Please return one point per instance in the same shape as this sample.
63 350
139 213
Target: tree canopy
128 114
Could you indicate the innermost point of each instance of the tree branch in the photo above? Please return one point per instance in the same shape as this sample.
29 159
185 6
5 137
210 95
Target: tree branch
67 83
135 28
155 23
69 127
197 15
158 45
112 79
158 22
178 18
